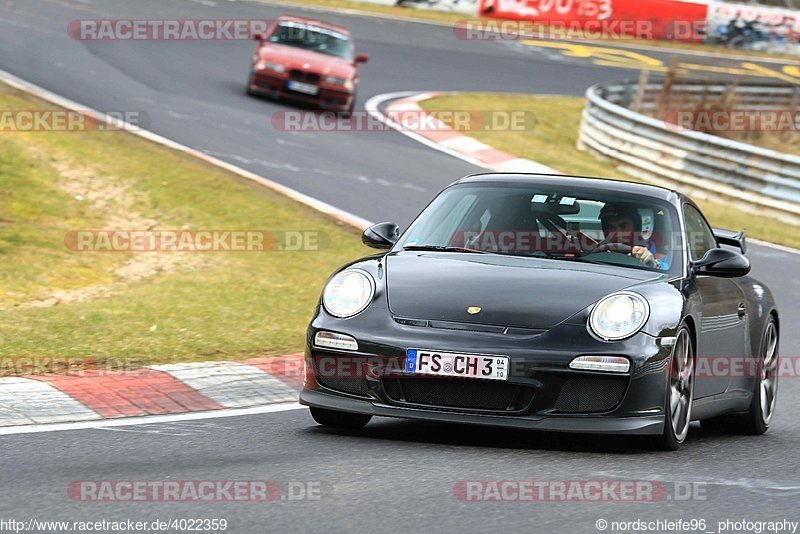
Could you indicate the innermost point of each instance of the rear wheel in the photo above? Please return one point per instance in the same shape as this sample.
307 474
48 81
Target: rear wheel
765 392
334 419
680 390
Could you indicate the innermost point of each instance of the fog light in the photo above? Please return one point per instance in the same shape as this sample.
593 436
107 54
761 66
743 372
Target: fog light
332 340
614 364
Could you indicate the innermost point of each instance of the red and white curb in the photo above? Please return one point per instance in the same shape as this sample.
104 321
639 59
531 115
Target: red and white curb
440 137
155 390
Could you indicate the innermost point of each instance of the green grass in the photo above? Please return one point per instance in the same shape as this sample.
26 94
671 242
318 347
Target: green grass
191 306
552 142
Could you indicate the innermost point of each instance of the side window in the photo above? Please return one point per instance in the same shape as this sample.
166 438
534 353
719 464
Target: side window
699 237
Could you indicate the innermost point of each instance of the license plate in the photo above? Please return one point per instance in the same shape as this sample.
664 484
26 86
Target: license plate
301 87
431 362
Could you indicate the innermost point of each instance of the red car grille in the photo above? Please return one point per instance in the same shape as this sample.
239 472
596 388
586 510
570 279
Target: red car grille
304 76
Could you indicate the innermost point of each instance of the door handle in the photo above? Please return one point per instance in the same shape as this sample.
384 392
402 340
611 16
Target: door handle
742 310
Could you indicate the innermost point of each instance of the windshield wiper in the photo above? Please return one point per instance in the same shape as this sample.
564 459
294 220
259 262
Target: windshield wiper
440 248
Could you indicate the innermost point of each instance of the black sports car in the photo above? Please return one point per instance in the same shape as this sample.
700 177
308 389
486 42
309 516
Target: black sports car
551 303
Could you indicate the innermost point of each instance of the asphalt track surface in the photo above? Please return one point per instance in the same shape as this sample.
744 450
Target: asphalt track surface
394 475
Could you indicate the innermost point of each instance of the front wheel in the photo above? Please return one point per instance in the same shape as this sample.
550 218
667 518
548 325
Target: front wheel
351 107
680 392
334 419
250 80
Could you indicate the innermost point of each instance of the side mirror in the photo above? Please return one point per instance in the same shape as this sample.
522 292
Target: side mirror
258 37
382 235
362 58
722 262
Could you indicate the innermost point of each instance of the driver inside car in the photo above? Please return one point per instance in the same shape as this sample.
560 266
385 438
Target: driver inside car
622 224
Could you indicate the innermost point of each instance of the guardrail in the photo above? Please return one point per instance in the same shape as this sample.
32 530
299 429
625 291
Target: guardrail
753 178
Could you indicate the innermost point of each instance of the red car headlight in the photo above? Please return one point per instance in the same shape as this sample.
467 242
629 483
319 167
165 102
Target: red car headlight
268 65
347 83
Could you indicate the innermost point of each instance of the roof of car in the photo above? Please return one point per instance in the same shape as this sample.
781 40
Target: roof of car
314 22
607 184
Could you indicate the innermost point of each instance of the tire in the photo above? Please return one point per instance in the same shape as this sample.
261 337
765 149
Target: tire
765 392
334 419
351 107
249 82
679 395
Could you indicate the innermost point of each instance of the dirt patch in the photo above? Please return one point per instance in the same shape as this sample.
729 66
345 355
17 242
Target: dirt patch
114 201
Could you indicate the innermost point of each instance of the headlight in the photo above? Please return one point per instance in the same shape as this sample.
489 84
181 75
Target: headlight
333 80
267 65
348 293
619 316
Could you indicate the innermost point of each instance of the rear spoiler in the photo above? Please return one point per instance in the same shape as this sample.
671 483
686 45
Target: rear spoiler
731 238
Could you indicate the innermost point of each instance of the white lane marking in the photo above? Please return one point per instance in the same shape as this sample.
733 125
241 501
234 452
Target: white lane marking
373 108
458 147
465 143
148 430
782 248
24 401
149 419
231 384
40 92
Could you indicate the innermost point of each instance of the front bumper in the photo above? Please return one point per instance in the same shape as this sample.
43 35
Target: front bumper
641 425
542 391
274 86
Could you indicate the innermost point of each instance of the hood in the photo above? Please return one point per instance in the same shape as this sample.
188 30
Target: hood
296 58
511 291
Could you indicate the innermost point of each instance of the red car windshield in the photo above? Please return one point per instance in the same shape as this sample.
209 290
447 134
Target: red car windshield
316 39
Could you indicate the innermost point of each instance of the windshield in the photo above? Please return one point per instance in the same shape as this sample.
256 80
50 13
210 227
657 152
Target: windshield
583 225
316 39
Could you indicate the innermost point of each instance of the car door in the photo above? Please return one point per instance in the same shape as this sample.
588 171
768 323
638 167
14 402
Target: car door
721 332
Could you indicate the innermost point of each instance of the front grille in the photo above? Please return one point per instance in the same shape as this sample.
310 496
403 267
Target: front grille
347 378
354 386
591 394
472 394
304 76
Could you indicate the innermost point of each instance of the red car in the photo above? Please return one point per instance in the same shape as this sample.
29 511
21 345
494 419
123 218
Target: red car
306 61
